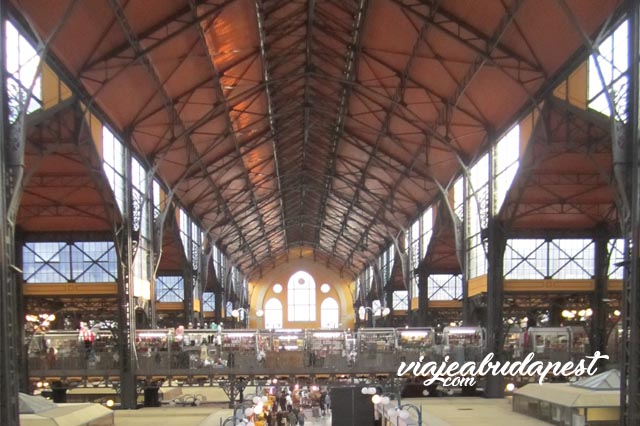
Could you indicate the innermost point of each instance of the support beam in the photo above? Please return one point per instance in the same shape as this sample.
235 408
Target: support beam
187 277
495 297
126 301
423 297
630 372
598 329
462 247
555 312
218 294
9 331
23 358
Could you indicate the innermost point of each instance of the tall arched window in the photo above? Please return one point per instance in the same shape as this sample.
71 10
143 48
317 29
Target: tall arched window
273 314
329 313
301 297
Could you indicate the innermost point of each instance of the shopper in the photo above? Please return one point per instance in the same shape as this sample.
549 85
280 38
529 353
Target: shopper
292 420
301 418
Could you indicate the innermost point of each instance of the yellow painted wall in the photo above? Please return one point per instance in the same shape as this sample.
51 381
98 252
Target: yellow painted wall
477 285
69 289
438 304
574 88
169 306
603 414
53 90
261 290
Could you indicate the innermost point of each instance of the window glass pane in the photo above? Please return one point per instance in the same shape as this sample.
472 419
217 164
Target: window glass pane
208 301
525 259
444 287
273 314
616 259
607 73
401 300
113 164
458 198
169 289
507 154
329 313
24 83
571 259
301 297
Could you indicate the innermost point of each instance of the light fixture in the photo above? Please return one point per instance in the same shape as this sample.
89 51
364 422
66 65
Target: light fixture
248 411
259 313
376 399
369 390
235 313
385 400
110 403
325 288
391 412
277 288
617 313
362 312
510 387
386 311
404 414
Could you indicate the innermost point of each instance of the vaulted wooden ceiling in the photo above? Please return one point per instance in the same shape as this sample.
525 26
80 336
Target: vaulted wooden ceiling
319 124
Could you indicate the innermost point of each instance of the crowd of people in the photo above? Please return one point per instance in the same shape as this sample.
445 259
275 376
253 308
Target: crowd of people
293 408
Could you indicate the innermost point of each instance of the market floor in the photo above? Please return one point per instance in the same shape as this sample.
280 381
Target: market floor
476 411
436 412
444 411
188 416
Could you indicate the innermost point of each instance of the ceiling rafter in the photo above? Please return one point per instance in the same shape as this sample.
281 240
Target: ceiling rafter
122 20
155 28
493 43
398 95
320 129
229 125
442 17
350 73
267 88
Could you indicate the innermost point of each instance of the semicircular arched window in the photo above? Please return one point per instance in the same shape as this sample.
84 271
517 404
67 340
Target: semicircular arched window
329 313
273 314
301 297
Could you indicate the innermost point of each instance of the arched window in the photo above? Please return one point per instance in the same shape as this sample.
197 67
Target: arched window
301 297
329 313
273 314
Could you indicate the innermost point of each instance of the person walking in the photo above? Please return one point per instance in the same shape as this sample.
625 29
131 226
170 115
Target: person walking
301 418
327 402
292 420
